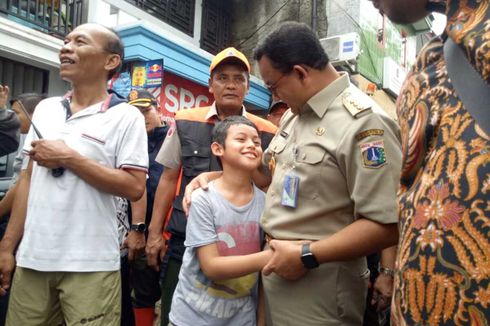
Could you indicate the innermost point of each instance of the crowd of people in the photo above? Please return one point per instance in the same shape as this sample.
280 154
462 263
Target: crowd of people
228 218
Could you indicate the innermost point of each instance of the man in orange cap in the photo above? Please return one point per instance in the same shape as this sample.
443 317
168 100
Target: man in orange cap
185 153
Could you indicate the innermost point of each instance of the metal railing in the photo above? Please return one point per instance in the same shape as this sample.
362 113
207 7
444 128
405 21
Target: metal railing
55 17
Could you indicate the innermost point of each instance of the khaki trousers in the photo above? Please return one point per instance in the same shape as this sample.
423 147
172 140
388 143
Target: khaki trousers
64 298
332 294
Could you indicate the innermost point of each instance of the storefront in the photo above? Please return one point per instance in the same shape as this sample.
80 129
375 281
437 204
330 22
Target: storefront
185 71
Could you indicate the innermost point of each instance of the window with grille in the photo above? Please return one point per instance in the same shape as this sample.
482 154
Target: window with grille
23 78
216 24
177 13
55 17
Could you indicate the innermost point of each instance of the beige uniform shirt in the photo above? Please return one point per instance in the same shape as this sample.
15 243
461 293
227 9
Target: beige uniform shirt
346 152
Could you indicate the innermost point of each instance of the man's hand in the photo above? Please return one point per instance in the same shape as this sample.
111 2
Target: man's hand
7 265
155 250
286 260
4 95
201 181
382 292
50 154
135 242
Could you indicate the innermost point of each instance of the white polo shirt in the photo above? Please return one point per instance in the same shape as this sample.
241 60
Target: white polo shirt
70 225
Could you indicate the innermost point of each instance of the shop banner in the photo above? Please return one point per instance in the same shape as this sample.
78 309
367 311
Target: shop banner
173 92
147 74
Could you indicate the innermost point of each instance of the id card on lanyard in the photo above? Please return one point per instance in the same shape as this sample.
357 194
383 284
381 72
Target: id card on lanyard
290 186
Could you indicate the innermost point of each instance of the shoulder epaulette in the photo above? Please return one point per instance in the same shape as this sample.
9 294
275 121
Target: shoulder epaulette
355 104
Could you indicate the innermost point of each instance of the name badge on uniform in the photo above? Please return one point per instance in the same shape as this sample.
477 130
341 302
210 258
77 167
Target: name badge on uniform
290 190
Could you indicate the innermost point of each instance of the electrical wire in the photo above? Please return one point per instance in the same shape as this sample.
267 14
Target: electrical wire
260 27
348 15
363 38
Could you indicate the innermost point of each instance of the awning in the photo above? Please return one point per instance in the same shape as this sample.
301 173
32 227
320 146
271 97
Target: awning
141 43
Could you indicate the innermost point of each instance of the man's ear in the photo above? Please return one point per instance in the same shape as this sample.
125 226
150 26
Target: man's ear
112 62
217 149
302 71
210 82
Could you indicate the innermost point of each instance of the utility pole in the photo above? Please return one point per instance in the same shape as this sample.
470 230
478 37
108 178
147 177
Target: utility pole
313 15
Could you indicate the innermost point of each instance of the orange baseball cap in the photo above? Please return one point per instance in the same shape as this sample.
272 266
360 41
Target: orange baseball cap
229 54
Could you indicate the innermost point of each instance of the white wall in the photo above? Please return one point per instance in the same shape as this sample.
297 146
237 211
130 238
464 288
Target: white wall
29 44
32 47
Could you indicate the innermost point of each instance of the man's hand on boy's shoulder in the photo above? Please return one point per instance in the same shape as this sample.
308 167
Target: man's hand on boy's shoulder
201 181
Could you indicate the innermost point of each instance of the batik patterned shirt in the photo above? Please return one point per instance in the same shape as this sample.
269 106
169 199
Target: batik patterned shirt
443 261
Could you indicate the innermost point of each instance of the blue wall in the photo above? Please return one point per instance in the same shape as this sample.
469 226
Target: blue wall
141 44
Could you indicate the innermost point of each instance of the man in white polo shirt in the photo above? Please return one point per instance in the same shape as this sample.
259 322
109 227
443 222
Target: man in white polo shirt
94 149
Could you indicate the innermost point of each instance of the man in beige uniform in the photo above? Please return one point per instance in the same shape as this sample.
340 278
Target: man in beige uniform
336 164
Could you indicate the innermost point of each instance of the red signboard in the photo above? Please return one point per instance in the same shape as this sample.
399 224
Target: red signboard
178 93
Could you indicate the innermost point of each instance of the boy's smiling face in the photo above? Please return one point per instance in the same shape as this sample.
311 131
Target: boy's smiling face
242 148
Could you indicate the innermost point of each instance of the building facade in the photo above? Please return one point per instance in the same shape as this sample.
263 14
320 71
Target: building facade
184 33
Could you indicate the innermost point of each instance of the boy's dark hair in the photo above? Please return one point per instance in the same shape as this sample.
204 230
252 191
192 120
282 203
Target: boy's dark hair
114 45
292 44
220 130
28 100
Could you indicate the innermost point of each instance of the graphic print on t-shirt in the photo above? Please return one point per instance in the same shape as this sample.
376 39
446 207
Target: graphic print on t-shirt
234 239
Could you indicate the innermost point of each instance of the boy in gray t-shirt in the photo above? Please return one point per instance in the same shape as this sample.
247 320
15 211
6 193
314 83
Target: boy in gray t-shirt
218 280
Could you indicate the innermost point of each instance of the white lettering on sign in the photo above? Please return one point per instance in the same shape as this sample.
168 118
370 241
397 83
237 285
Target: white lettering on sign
179 98
202 100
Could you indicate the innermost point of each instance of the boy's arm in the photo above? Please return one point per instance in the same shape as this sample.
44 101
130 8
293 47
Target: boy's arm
217 267
201 234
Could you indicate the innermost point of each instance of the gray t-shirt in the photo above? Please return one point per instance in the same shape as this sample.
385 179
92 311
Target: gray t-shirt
197 300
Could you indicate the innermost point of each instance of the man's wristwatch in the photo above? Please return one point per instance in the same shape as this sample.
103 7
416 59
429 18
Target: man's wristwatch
386 271
138 227
307 257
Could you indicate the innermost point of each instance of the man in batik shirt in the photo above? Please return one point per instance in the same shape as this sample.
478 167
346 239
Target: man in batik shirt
443 263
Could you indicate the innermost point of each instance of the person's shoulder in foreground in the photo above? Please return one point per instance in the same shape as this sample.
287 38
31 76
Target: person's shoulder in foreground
9 125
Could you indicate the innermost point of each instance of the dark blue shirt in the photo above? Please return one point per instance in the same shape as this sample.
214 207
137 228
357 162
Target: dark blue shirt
155 140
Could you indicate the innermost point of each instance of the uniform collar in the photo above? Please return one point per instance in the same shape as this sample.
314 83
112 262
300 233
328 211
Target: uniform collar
321 101
213 112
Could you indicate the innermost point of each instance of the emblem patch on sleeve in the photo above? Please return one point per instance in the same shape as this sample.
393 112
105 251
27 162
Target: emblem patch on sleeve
369 132
373 154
